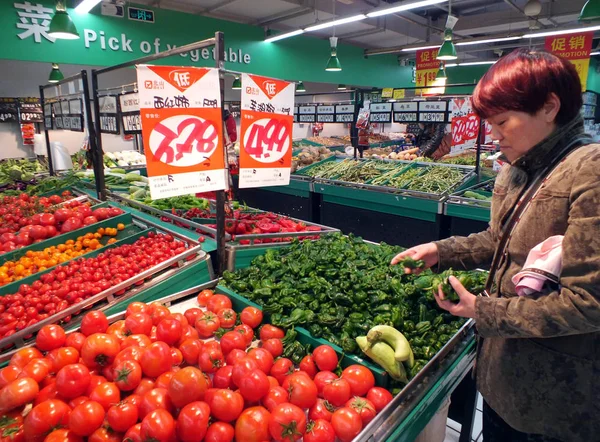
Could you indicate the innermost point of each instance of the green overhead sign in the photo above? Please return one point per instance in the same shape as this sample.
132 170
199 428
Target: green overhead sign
109 40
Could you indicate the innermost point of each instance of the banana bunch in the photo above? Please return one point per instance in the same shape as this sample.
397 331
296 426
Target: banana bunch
390 349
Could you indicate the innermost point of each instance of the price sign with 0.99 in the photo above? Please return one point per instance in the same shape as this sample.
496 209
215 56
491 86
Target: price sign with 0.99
267 140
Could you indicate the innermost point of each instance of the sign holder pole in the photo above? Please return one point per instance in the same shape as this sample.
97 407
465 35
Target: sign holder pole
478 152
85 91
221 200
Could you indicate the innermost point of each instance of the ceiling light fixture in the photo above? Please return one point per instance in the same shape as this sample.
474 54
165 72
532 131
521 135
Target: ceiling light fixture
405 7
333 65
441 74
595 53
237 84
55 74
342 87
590 11
62 26
533 8
447 50
451 65
86 6
476 63
487 40
300 87
341 21
282 36
560 32
419 48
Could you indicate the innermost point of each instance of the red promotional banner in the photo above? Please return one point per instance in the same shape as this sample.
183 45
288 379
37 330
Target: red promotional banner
266 131
465 125
182 129
574 47
427 69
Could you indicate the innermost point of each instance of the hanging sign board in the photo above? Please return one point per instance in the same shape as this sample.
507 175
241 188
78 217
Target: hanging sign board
130 113
109 120
381 113
427 69
9 110
266 131
326 114
307 114
296 114
182 129
30 110
464 125
48 120
574 47
344 113
75 115
406 112
387 92
399 94
433 111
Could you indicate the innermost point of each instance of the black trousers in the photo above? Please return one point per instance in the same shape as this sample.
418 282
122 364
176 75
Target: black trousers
496 430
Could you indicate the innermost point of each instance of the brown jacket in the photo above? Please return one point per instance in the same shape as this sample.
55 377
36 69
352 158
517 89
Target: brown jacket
538 360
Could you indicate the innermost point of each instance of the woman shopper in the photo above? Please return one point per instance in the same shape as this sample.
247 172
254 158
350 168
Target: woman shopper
538 357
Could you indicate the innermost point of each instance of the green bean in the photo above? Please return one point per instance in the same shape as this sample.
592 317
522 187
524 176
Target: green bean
437 179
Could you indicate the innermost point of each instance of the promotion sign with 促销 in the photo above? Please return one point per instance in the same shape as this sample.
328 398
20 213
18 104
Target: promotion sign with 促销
266 131
182 129
574 47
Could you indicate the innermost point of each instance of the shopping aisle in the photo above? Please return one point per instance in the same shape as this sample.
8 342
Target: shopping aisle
453 428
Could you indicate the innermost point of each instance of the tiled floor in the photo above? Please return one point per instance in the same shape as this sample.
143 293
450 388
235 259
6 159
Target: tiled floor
453 428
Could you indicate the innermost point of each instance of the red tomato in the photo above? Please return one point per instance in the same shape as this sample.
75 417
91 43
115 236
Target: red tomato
253 425
164 379
12 428
288 422
106 394
281 369
210 359
232 340
263 359
127 375
251 316
218 302
223 377
155 399
138 323
156 359
99 350
187 385
75 340
169 331
242 368
303 391
227 317
78 401
44 417
379 397
158 426
346 423
9 374
192 314
104 435
17 393
360 378
226 405
274 382
89 220
204 296
144 387
134 434
137 307
190 350
176 356
94 322
325 358
122 416
73 380
273 346
308 366
321 410
102 213
219 432
158 313
192 422
234 356
86 418
71 224
246 332
141 341
207 324
50 337
24 356
322 378
254 385
61 357
63 214
37 369
319 431
63 435
269 331
275 396
94 382
363 407
337 392
131 353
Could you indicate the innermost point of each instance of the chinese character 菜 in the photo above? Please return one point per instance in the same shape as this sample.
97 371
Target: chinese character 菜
35 21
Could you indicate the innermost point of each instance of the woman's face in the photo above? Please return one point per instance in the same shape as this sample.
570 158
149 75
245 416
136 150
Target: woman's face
517 132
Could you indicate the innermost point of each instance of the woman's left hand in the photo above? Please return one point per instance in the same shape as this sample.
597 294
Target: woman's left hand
466 305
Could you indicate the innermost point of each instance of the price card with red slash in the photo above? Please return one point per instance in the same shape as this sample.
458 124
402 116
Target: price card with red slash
182 129
266 131
465 125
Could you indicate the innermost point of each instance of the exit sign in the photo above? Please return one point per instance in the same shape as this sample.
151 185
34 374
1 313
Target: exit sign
144 15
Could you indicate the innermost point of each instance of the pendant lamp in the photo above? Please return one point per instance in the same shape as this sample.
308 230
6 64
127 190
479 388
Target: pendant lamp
237 84
342 87
447 50
61 26
590 11
300 87
333 65
55 74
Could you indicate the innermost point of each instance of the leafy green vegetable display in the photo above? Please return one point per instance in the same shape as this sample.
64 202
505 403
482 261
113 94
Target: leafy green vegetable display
339 287
19 170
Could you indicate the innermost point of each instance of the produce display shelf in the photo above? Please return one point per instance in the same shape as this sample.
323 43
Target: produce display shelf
299 186
132 286
460 206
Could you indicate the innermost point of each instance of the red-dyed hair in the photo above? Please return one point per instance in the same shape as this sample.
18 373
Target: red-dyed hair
523 81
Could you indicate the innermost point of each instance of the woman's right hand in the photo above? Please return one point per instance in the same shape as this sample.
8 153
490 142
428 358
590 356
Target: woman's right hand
428 253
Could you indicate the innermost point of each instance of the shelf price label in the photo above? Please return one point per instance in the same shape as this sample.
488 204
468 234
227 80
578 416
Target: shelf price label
182 129
432 117
405 117
109 121
268 114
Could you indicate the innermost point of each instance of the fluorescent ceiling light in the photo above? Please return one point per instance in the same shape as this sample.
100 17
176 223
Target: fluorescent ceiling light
86 6
489 40
560 32
451 65
476 63
405 7
595 53
282 36
341 21
419 48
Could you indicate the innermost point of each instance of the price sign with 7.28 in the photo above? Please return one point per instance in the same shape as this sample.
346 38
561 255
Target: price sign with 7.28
268 140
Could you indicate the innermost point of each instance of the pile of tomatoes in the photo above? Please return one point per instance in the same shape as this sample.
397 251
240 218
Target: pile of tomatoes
81 279
150 377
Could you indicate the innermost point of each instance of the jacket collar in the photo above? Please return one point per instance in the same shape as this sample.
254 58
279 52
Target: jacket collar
541 154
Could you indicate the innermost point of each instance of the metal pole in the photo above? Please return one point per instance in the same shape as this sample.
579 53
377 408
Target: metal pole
92 134
47 136
478 151
96 148
221 255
